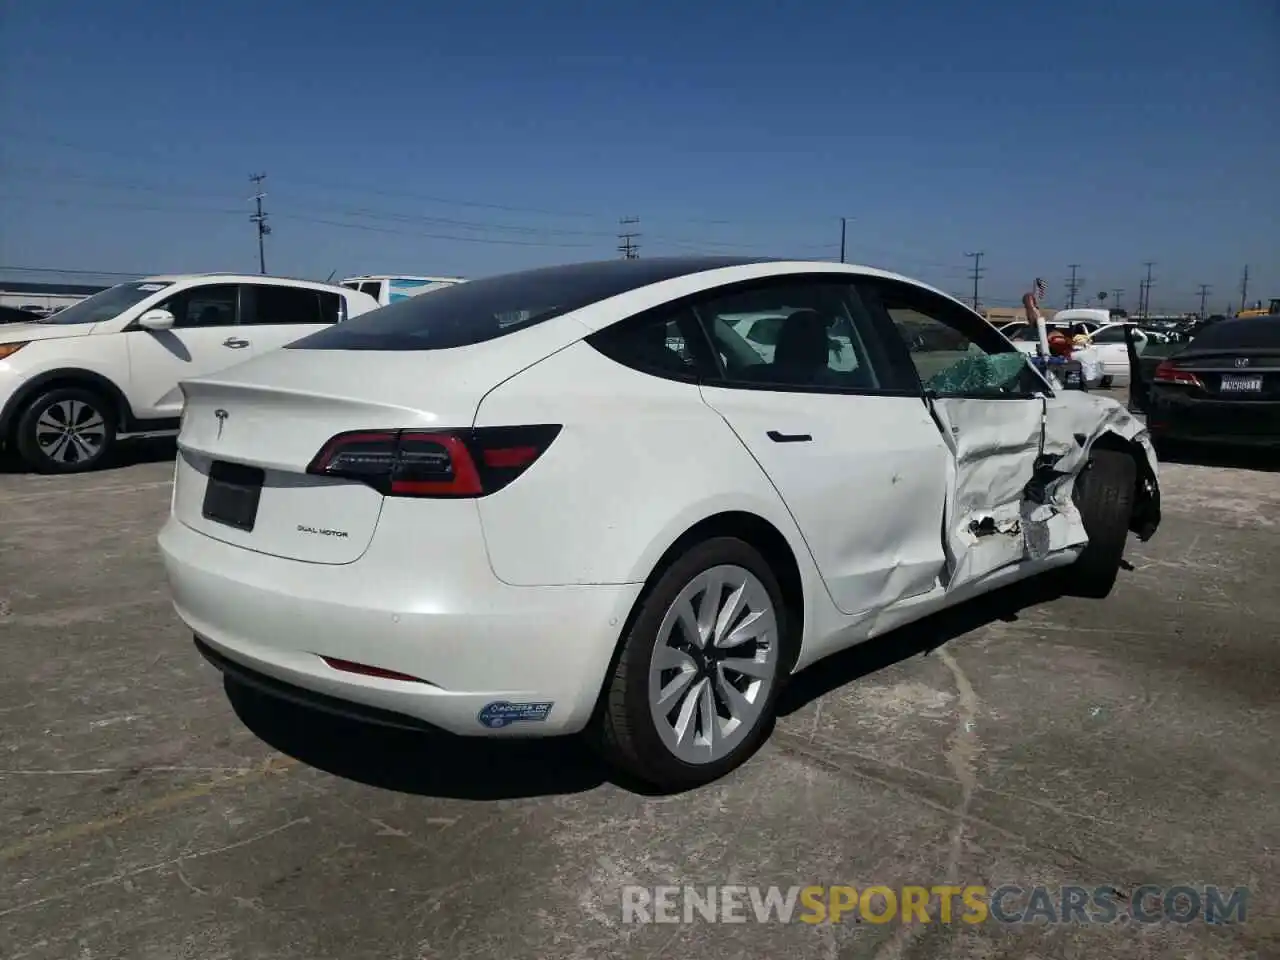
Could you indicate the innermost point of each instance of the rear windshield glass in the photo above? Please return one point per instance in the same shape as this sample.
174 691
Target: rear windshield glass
467 313
1249 333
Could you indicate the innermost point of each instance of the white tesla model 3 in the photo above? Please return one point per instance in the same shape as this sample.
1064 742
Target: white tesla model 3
597 497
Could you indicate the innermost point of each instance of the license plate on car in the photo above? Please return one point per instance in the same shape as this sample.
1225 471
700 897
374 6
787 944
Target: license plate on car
1236 383
231 498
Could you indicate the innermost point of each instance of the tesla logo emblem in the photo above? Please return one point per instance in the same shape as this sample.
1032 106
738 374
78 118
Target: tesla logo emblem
222 419
1242 362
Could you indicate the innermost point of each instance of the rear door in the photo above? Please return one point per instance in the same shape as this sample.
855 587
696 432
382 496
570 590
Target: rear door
206 337
276 315
849 446
989 405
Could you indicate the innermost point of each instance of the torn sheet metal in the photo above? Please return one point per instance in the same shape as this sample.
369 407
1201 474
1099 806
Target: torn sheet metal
994 443
1074 423
1016 464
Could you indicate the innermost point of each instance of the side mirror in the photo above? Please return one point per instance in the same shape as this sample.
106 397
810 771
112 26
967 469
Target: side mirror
156 320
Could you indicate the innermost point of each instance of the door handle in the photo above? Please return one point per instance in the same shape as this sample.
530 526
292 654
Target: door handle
777 437
235 343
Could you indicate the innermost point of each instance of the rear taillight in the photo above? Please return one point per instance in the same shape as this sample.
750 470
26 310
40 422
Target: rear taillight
435 463
1168 373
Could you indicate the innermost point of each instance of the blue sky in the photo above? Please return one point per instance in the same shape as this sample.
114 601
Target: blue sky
477 138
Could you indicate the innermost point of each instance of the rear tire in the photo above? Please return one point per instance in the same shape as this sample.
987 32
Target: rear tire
1104 495
641 732
67 430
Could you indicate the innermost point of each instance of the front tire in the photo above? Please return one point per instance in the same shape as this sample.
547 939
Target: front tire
692 694
67 430
1104 495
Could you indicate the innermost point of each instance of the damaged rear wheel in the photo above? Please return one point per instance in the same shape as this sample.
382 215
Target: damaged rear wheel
1104 495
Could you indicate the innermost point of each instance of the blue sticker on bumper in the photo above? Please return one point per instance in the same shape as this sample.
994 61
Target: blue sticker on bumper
501 713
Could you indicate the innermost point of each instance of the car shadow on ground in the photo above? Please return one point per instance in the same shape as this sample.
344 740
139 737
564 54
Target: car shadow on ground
473 768
1205 455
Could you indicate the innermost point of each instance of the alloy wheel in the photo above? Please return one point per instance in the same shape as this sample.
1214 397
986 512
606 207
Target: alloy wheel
70 431
714 664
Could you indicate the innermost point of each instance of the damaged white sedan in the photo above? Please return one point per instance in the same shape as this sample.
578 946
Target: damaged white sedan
582 498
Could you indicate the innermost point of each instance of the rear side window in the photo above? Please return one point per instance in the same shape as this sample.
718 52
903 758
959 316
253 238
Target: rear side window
663 343
333 306
1110 335
288 305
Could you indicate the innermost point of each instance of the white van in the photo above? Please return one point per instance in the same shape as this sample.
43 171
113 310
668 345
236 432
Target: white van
387 289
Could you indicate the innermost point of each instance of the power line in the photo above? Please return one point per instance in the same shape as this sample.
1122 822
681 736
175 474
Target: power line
301 218
1204 295
260 219
1073 285
627 246
892 255
976 275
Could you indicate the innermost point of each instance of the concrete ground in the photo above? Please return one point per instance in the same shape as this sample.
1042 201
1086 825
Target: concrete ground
1040 740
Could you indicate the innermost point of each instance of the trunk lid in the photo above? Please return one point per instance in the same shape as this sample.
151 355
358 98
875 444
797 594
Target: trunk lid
255 428
1234 375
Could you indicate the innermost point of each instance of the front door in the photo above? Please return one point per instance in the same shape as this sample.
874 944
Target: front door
206 337
852 451
989 406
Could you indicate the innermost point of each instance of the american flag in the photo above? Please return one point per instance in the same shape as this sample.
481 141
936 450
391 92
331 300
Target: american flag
1041 288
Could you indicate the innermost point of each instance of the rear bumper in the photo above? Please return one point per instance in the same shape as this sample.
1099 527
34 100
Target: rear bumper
1173 416
475 643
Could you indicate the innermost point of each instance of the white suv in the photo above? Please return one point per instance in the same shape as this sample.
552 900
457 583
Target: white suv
109 366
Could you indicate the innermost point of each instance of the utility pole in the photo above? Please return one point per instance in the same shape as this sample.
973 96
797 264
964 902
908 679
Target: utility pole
1244 289
1073 285
260 218
843 223
1204 295
1115 296
1146 289
627 246
976 275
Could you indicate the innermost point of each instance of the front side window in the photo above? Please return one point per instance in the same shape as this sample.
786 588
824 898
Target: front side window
797 334
954 352
373 288
216 305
